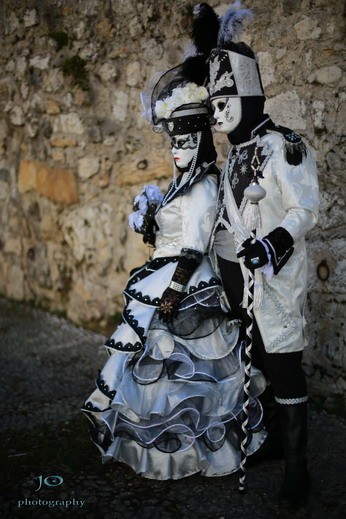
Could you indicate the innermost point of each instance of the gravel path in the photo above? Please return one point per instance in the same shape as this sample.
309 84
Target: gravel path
47 369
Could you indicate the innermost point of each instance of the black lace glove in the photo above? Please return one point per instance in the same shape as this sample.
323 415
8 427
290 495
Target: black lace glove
173 294
254 253
169 304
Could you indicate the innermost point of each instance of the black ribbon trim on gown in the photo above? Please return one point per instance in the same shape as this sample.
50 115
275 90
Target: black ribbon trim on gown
148 268
203 284
104 388
133 323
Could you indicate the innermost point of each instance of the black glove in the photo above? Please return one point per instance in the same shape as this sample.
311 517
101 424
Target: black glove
254 253
188 262
169 304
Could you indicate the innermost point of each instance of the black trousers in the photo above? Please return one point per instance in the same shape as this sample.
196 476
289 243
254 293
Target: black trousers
283 370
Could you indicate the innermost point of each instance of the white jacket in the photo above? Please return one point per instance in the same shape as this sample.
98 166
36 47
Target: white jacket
292 202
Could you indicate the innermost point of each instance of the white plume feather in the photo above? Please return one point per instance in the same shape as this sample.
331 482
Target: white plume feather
190 50
232 24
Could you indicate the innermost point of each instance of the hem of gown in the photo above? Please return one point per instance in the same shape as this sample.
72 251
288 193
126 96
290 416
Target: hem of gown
199 455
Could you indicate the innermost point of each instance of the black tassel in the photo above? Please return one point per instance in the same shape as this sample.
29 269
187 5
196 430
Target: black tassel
295 149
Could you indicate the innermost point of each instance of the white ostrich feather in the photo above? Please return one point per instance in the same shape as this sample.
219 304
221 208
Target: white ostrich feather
232 24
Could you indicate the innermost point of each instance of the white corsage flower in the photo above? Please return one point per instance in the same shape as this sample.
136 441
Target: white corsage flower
191 93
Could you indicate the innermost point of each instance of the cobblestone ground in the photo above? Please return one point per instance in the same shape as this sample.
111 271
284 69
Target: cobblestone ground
47 369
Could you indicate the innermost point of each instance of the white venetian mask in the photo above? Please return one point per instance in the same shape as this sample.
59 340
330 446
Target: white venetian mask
184 148
227 112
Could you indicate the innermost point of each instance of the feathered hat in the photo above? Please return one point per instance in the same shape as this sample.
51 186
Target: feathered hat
175 104
179 105
233 69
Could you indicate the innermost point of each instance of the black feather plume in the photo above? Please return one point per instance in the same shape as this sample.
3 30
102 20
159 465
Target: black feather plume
195 69
205 28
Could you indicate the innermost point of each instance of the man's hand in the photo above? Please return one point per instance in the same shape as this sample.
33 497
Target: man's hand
254 253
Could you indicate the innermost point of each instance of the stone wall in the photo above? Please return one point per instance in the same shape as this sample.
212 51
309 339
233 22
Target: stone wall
75 149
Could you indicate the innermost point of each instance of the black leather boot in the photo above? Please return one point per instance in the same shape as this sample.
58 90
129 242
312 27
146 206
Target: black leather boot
294 423
272 448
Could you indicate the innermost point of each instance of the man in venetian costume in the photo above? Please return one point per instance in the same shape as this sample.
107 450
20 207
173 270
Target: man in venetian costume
283 165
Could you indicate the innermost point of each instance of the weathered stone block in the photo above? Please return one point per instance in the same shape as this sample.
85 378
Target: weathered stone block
308 29
21 66
3 129
64 143
68 123
88 167
88 227
11 65
104 27
318 114
31 18
13 245
17 117
55 184
15 282
42 63
332 210
267 68
53 81
57 155
4 190
119 106
107 72
37 267
52 107
153 51
13 23
288 109
133 74
86 304
142 168
326 75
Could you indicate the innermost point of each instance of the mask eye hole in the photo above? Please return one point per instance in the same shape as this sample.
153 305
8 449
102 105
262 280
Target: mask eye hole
178 143
221 105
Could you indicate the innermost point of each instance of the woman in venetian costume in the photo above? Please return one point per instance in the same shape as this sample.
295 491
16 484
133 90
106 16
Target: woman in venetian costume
168 401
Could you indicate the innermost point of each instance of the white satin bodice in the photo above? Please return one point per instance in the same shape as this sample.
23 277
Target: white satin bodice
187 221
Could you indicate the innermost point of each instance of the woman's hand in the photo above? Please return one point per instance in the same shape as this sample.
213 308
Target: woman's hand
169 304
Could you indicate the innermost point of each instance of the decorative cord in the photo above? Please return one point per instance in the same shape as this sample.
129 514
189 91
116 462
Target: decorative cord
254 193
247 377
